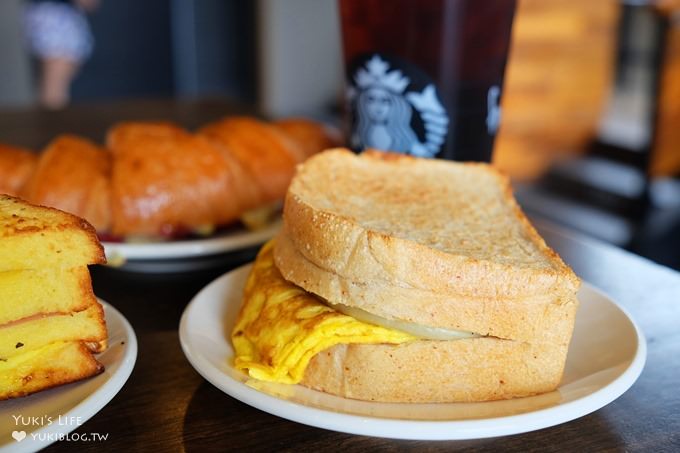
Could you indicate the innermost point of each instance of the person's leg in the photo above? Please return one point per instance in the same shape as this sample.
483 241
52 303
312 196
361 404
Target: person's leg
56 77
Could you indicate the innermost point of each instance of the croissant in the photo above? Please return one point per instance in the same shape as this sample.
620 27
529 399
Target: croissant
125 133
156 179
267 156
73 174
166 181
16 166
310 136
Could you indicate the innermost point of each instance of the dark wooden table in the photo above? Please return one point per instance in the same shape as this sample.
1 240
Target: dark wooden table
167 406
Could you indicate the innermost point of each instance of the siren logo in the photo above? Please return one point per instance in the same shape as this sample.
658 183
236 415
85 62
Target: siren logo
390 113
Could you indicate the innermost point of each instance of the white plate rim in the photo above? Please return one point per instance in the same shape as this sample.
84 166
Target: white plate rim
231 241
412 429
95 401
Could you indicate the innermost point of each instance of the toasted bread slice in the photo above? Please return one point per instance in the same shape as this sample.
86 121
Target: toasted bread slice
35 237
16 166
73 175
474 369
49 366
434 225
536 318
41 291
32 333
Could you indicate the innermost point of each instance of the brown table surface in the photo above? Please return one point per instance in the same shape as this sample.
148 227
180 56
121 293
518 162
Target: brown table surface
167 406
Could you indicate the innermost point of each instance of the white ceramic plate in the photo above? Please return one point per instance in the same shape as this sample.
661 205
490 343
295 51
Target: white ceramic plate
177 256
70 405
606 356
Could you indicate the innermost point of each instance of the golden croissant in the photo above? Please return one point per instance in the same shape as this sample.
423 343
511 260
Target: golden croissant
156 179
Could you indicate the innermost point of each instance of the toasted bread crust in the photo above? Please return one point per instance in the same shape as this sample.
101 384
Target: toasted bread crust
471 240
478 369
541 317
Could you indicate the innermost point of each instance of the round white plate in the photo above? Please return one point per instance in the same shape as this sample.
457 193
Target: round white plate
181 255
68 406
606 356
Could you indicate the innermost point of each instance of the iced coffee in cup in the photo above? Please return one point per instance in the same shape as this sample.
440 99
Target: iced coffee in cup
425 77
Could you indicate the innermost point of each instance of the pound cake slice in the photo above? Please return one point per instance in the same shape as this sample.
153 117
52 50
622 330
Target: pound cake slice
37 237
52 365
48 291
37 331
50 321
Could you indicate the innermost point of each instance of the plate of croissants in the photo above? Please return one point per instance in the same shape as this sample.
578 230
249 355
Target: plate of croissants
163 198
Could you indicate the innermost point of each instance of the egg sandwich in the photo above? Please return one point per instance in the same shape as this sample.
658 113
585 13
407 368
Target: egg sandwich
50 321
400 279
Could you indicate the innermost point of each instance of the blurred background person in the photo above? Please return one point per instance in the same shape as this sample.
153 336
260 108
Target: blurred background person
59 36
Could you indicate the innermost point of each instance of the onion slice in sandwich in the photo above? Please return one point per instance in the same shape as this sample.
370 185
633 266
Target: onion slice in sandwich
418 330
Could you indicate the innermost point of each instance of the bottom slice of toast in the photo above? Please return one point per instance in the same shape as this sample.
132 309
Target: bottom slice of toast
475 369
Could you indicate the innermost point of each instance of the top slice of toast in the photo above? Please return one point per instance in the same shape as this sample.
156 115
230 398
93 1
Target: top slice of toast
37 237
430 224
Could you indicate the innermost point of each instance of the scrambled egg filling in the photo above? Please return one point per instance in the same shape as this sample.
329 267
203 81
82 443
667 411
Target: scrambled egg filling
281 326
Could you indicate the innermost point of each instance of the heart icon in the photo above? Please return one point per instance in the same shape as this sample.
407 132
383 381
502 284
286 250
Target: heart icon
18 435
